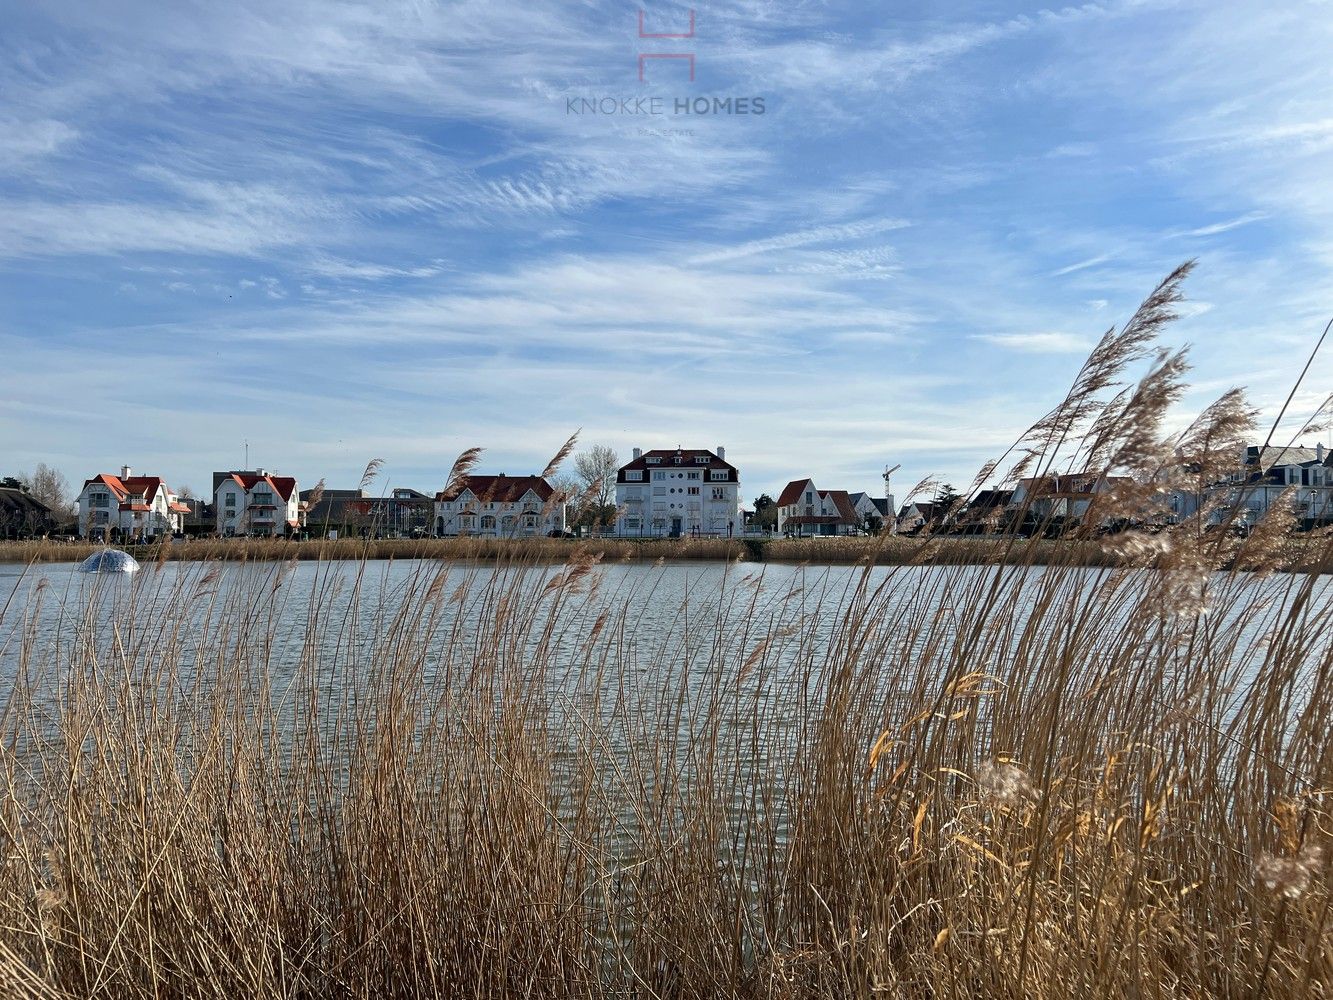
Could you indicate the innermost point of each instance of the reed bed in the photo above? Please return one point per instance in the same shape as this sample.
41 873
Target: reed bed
1013 779
547 550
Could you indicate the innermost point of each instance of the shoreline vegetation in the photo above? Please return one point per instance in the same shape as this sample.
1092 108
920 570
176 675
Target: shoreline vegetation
1302 553
536 778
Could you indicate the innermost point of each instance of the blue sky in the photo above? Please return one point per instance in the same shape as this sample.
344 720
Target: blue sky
344 231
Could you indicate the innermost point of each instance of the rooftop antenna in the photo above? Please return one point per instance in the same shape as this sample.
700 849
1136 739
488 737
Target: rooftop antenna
247 454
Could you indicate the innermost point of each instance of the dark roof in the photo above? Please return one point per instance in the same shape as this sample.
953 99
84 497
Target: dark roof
990 499
499 489
670 458
22 504
334 494
926 510
1267 457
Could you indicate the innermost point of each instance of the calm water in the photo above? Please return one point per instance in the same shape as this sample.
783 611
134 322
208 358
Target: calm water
335 619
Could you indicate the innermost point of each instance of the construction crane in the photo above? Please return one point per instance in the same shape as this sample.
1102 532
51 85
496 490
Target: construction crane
887 473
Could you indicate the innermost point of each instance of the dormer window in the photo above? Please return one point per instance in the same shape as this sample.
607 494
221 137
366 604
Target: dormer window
653 461
701 460
633 475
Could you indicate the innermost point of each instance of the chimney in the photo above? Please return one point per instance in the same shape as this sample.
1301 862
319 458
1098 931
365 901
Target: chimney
126 472
260 472
1319 451
638 452
722 453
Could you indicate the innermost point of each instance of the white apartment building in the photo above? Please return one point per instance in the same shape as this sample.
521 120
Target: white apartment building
685 492
256 503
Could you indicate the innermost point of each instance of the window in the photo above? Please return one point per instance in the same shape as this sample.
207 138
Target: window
653 461
691 475
633 476
693 491
487 522
718 474
631 522
809 497
659 491
231 499
701 460
659 476
634 493
719 493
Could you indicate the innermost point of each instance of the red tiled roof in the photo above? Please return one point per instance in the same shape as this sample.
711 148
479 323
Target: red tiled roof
130 486
500 489
842 502
792 492
281 485
135 506
179 508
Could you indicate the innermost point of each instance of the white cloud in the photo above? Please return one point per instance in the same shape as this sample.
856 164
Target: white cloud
1039 343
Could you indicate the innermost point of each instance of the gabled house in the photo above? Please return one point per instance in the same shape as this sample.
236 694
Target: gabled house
988 510
22 515
874 512
128 507
804 509
499 507
255 502
1264 476
917 515
678 492
1067 497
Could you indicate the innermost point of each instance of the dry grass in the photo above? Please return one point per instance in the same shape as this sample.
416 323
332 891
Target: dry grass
257 549
1024 778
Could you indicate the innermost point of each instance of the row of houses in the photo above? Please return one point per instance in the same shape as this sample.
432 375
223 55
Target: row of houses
1299 477
660 492
128 506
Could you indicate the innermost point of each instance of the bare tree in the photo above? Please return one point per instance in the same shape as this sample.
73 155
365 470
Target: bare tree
50 487
596 469
570 489
185 493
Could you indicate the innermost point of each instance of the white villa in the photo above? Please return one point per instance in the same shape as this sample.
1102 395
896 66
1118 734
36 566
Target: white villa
499 506
804 509
256 503
680 492
1265 475
128 507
